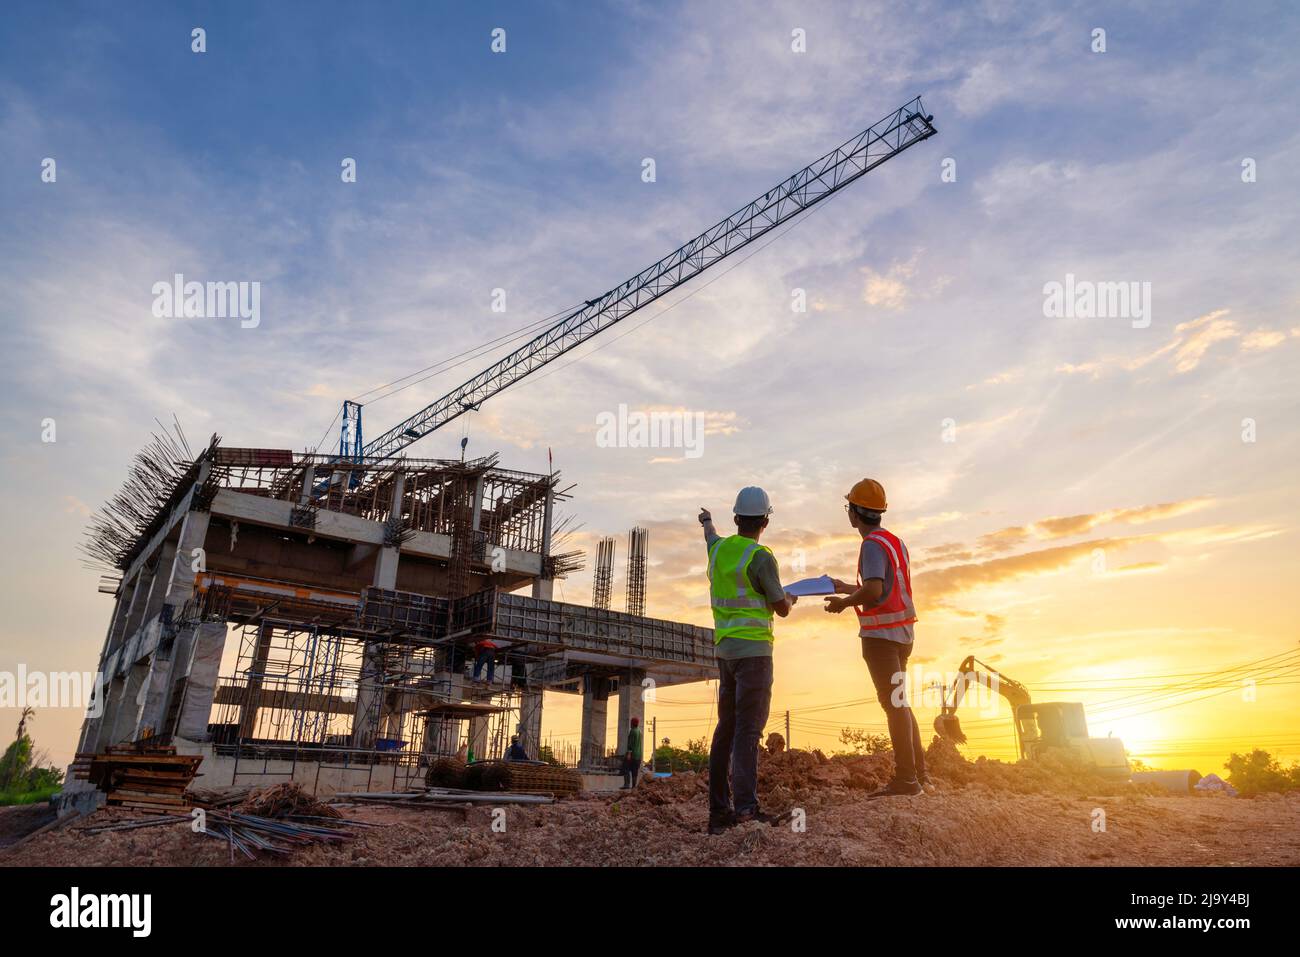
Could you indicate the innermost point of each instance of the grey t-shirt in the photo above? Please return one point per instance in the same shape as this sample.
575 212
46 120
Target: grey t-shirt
764 577
874 563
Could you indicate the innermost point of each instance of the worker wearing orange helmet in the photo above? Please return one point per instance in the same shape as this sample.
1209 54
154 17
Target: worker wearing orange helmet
882 598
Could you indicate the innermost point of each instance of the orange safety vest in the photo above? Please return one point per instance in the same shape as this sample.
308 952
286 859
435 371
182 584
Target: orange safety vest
896 610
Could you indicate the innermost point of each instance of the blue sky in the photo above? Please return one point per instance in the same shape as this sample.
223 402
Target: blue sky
522 171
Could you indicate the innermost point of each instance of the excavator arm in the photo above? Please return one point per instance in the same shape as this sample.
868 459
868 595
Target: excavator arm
968 673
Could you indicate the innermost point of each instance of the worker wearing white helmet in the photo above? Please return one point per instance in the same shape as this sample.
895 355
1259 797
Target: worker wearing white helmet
882 598
745 592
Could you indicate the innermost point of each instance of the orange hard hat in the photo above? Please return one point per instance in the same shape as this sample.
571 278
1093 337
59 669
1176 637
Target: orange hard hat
868 494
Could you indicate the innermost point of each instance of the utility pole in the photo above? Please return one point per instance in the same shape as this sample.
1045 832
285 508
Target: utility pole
787 730
654 743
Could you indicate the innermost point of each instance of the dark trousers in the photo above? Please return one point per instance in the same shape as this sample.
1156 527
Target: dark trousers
631 772
485 658
887 662
744 697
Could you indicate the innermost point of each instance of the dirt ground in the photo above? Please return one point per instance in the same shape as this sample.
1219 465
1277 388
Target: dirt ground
983 813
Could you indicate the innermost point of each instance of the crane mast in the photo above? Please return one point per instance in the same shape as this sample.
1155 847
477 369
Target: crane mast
904 127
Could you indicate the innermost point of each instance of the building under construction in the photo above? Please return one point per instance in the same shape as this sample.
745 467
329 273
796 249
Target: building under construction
308 618
386 609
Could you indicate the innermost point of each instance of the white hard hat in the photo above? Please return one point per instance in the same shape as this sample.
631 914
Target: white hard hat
753 502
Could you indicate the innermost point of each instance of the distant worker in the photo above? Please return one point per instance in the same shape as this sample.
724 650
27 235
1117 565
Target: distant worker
516 752
485 653
886 613
633 755
744 591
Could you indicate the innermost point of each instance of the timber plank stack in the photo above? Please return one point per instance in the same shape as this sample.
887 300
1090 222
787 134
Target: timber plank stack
144 777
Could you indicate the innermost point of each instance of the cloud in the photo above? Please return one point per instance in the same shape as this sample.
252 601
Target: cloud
1189 346
933 588
1004 539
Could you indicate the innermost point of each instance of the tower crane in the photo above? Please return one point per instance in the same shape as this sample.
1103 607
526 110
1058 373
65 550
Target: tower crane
824 177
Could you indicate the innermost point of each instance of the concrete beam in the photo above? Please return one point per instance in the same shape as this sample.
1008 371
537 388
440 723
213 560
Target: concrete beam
272 513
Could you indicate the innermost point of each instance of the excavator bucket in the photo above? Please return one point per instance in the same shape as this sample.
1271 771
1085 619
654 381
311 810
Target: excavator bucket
949 727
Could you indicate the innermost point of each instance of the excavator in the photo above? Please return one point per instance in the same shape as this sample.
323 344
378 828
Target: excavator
1059 725
1039 727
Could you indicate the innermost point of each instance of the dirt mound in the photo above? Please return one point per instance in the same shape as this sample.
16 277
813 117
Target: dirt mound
1053 773
681 787
285 800
794 774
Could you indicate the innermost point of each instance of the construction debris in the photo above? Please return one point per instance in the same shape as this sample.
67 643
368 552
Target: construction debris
143 776
131 825
436 796
250 833
286 800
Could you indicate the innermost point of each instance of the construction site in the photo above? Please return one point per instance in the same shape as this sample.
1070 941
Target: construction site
343 620
341 655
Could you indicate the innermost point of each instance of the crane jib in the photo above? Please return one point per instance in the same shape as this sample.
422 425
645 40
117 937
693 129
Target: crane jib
905 127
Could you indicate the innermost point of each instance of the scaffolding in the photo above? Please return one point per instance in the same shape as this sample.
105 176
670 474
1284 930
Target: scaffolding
300 693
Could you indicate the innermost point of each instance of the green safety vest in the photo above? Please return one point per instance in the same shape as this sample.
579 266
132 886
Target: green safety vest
738 610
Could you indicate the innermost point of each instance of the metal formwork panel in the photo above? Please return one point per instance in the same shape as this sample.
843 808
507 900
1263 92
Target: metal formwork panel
406 613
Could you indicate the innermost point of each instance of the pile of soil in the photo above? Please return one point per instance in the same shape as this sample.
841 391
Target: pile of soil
1053 773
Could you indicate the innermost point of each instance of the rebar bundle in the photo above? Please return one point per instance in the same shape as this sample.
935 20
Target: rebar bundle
603 582
156 472
637 543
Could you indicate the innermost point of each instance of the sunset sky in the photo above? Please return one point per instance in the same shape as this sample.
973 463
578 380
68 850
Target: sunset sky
1105 510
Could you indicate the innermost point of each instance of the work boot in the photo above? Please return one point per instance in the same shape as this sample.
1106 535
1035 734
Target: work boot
720 823
898 789
762 817
927 785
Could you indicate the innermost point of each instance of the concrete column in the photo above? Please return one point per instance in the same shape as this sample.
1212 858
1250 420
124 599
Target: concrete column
530 722
155 693
121 611
114 692
129 618
595 713
631 703
477 516
478 738
206 648
386 568
158 586
308 480
365 720
544 588
180 583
